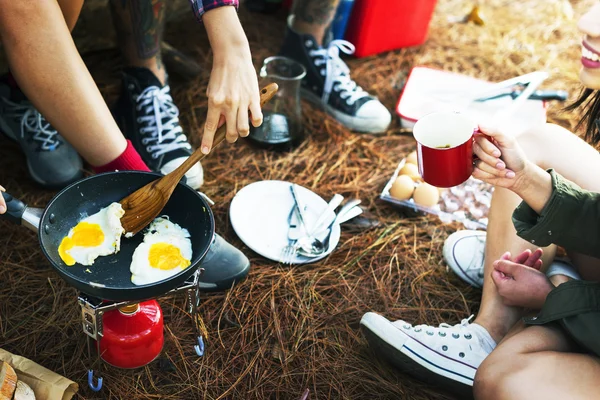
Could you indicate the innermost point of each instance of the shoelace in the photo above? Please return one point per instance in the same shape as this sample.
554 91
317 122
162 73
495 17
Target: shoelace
337 73
34 124
444 329
160 137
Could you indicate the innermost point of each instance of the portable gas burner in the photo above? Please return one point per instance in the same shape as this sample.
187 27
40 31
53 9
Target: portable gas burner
123 318
129 334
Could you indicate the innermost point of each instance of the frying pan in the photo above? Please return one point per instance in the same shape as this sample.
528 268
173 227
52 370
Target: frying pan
109 277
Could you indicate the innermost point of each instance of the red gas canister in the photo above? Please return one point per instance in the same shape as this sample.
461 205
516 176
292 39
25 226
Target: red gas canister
132 335
376 26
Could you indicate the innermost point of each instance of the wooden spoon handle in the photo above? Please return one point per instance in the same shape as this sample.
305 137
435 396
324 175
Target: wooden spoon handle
266 94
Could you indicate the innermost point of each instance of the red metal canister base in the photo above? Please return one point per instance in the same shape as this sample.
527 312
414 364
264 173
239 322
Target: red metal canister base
132 335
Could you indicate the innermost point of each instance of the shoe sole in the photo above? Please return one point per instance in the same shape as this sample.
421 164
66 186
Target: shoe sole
357 124
8 133
404 353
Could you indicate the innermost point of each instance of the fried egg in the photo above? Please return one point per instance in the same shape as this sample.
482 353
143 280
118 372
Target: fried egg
165 251
94 236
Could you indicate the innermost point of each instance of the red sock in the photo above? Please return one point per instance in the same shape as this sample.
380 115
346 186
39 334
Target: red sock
129 160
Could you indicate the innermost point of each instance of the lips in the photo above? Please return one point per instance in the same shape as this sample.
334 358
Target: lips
590 57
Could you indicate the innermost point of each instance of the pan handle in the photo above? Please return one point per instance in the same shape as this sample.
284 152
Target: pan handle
18 213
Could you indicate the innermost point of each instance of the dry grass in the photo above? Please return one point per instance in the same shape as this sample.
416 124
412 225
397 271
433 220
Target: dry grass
284 329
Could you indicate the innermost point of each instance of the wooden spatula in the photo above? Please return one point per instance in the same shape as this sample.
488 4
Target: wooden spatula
143 205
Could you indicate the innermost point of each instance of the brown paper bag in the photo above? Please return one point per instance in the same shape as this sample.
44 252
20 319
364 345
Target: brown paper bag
46 385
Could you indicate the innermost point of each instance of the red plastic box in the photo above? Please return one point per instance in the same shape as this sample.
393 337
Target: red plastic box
376 26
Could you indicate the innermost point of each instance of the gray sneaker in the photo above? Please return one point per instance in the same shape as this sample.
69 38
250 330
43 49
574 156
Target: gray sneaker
51 161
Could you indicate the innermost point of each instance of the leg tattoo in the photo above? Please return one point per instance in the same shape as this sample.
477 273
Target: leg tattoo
318 12
145 25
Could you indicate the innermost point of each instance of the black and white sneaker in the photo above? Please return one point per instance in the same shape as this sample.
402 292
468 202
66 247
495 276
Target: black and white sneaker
51 161
328 83
146 114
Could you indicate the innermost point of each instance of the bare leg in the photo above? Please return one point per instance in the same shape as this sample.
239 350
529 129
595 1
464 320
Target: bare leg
49 70
549 147
314 17
536 363
139 25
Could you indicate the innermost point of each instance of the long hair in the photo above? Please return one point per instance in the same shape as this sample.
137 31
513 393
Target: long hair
590 100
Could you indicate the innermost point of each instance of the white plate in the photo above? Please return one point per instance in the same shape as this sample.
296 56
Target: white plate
260 215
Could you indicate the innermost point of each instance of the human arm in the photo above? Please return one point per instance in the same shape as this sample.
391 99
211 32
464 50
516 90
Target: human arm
233 86
200 7
554 210
570 218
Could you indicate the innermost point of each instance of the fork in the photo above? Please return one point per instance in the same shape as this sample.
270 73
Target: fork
289 251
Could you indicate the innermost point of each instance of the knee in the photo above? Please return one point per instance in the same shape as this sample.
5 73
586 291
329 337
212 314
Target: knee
486 381
494 378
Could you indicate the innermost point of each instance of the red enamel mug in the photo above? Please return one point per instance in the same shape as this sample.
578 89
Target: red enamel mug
445 148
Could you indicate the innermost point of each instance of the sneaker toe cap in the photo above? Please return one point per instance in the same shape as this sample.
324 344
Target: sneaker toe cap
223 266
194 177
376 116
464 253
57 172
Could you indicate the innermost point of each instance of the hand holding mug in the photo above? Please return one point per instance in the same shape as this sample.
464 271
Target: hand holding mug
500 161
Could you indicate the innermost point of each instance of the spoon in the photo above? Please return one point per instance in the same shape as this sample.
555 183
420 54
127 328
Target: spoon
307 243
318 247
143 205
345 208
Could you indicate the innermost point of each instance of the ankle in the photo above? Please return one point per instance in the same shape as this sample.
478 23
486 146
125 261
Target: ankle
129 160
496 330
154 65
304 28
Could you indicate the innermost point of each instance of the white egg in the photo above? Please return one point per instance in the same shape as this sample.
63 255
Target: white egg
94 236
165 251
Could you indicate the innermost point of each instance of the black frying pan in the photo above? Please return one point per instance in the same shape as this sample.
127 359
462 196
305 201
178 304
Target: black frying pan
110 278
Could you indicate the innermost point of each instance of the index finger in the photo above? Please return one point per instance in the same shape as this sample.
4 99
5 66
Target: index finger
506 267
210 127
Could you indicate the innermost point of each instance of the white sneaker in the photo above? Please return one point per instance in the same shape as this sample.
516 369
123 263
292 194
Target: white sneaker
447 356
464 252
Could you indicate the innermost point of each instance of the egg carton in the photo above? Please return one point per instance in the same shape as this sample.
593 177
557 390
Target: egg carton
468 203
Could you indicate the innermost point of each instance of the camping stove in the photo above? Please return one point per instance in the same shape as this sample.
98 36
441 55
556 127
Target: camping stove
129 334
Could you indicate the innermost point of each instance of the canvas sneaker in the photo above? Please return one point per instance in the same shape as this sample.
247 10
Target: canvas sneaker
147 116
51 161
464 252
447 356
328 84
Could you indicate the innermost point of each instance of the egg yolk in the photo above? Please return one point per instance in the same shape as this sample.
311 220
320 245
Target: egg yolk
166 256
84 235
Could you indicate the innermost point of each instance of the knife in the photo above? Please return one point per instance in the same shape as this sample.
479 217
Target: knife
546 95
